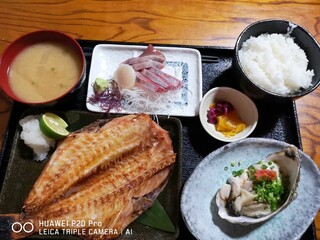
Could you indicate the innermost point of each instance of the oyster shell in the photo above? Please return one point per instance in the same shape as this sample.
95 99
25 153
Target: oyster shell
238 200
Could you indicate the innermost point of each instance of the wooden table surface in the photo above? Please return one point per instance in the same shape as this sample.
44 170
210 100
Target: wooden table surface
208 23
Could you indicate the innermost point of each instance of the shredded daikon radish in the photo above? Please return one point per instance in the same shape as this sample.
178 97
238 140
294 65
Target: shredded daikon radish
139 100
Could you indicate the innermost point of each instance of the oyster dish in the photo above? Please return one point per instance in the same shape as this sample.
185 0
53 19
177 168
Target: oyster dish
256 188
257 193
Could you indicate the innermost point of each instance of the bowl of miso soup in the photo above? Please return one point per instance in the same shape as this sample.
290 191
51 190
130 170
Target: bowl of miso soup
42 67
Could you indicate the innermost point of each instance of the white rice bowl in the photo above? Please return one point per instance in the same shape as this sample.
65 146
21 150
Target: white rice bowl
276 63
34 138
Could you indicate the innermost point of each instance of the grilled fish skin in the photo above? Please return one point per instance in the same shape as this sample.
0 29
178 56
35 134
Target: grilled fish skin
116 190
82 152
113 211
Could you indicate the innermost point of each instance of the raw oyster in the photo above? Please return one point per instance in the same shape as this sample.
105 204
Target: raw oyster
259 192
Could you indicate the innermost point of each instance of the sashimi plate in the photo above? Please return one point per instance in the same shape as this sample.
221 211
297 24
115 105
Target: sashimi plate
22 172
200 211
182 63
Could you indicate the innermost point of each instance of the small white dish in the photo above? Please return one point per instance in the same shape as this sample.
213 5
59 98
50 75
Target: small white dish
244 106
183 63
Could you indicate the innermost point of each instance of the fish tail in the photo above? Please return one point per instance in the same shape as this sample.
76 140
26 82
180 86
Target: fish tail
11 227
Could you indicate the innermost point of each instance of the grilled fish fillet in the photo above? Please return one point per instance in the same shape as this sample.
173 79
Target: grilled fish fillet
83 152
106 174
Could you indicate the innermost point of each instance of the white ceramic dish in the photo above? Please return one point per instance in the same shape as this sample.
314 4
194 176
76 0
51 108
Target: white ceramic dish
244 106
183 63
198 206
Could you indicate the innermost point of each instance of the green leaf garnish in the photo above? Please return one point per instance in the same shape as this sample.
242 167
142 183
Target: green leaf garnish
157 217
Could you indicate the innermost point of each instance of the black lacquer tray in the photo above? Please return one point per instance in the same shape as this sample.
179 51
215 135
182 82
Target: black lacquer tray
278 121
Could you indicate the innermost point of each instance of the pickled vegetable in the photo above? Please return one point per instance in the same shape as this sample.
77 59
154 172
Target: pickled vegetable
225 118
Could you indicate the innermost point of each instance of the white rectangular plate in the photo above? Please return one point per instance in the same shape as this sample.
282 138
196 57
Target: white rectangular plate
182 63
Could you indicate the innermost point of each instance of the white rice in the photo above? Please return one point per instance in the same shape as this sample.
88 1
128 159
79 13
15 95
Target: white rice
276 63
34 138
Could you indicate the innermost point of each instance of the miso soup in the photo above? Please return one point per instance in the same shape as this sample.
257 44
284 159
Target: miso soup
44 71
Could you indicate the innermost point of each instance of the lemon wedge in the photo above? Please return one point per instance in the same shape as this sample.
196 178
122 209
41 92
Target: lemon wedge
53 126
